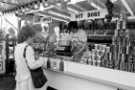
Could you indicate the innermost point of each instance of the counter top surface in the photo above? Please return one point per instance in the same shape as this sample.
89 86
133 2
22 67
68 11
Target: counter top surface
115 78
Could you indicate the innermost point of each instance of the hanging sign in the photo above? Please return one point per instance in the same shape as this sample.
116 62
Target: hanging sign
39 20
95 14
46 20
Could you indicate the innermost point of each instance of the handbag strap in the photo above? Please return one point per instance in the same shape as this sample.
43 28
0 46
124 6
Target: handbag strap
24 52
24 55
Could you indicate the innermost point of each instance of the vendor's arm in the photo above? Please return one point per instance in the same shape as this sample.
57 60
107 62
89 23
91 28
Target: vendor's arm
81 49
82 40
32 63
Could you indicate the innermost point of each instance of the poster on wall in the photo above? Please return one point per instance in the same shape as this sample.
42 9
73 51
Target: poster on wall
94 14
2 67
2 57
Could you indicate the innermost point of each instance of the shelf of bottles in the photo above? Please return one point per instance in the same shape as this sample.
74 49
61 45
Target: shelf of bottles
122 55
117 54
44 49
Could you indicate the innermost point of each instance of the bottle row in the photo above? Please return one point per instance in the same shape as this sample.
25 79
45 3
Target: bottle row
56 64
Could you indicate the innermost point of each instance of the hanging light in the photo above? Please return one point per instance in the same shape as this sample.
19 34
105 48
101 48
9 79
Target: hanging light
23 8
95 6
59 4
44 3
30 5
27 7
113 1
75 1
36 5
66 0
19 10
16 10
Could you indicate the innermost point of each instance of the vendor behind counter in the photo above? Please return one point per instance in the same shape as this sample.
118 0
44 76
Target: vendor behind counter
79 41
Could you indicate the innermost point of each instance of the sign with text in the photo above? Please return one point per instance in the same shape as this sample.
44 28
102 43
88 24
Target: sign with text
46 20
94 14
39 20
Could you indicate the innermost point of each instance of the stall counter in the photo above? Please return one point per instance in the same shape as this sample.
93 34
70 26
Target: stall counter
78 76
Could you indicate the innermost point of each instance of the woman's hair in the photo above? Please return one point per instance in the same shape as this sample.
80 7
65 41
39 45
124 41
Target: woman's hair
25 33
81 25
73 26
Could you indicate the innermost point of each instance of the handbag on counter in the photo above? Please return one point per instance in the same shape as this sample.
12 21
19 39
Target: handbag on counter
38 76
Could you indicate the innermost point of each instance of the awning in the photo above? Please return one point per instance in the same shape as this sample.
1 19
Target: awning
63 9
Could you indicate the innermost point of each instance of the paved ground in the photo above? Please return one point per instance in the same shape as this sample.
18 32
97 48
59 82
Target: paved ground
7 83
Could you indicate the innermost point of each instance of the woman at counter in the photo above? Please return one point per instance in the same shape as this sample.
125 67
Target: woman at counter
79 41
23 76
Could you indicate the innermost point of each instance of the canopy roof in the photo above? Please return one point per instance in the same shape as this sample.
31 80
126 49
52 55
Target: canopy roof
62 9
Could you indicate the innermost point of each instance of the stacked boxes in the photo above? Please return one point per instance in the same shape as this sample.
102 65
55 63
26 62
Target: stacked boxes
98 56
